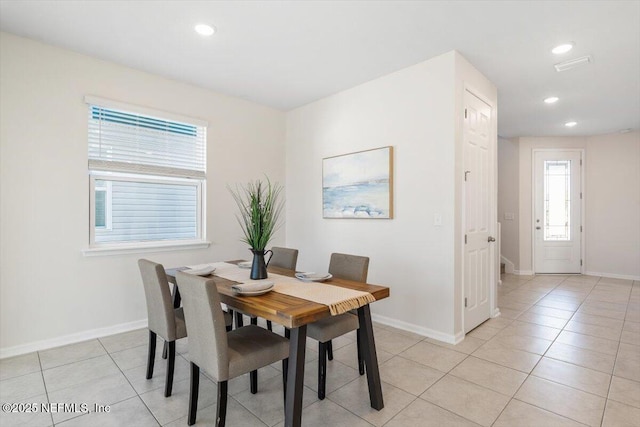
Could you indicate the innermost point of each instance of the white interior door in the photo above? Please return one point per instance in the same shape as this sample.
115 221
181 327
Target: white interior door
478 225
557 224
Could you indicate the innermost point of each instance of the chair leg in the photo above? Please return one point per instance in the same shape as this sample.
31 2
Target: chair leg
269 326
152 354
164 350
287 333
239 320
230 312
170 367
221 407
253 381
322 369
330 350
254 320
360 357
193 393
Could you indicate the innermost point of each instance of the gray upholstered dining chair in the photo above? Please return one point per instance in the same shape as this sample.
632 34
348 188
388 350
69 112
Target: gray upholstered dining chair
341 266
284 258
164 320
281 257
223 355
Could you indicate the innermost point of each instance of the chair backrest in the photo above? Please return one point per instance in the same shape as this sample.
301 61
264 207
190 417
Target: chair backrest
350 267
284 258
162 318
208 345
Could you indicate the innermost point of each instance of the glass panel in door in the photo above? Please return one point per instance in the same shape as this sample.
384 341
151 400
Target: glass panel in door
557 200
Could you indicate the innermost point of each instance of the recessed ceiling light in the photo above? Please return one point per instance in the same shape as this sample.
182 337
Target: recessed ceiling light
570 124
563 48
205 30
551 100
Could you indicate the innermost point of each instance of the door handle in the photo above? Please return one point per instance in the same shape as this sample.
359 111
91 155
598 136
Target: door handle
538 228
491 239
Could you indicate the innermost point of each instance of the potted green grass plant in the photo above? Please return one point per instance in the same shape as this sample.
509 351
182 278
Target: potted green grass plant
260 206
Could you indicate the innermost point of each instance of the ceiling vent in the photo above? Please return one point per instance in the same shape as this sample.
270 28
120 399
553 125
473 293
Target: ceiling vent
573 63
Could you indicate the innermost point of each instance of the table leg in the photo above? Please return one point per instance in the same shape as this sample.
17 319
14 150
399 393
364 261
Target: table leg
370 357
295 377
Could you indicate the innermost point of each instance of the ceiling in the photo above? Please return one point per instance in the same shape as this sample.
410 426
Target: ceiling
287 54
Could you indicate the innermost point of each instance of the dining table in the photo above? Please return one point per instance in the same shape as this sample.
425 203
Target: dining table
295 314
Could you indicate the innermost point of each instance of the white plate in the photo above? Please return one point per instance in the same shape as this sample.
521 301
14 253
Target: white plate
245 264
313 277
253 293
205 271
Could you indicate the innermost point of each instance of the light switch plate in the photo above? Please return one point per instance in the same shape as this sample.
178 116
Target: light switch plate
437 220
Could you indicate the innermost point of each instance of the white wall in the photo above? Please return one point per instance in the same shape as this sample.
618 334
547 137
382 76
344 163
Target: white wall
413 110
508 198
49 292
613 205
611 194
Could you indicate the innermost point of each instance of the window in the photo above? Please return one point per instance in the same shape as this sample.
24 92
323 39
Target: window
557 200
103 204
147 177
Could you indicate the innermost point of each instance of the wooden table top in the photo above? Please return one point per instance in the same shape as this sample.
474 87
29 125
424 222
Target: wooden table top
285 310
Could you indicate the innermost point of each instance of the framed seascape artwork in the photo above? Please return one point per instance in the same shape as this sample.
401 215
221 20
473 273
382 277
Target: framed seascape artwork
358 185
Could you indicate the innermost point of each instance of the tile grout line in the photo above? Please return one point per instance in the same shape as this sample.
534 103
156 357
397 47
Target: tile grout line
424 339
76 415
606 403
553 342
440 379
563 329
530 374
398 413
44 383
130 385
346 409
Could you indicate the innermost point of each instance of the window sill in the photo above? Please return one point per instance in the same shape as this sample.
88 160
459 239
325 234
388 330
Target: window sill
137 248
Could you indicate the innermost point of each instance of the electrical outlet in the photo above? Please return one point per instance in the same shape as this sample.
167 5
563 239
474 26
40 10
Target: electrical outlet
509 216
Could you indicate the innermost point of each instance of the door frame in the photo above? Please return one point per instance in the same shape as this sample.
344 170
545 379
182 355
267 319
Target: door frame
583 166
494 311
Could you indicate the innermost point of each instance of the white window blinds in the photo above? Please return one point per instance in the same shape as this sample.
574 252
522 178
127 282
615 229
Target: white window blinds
147 175
124 141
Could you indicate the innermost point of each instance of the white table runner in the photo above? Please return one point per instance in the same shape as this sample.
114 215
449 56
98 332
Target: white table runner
338 299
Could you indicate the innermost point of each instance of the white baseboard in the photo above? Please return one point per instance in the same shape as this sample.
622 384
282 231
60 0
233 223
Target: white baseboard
458 337
509 267
411 327
71 339
612 275
523 272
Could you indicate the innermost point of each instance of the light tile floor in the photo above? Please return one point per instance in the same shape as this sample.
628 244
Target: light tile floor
564 352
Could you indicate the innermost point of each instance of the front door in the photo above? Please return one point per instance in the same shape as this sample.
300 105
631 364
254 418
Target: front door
557 227
478 224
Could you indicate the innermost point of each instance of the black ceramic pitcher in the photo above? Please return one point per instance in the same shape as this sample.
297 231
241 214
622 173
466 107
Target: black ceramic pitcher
259 266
